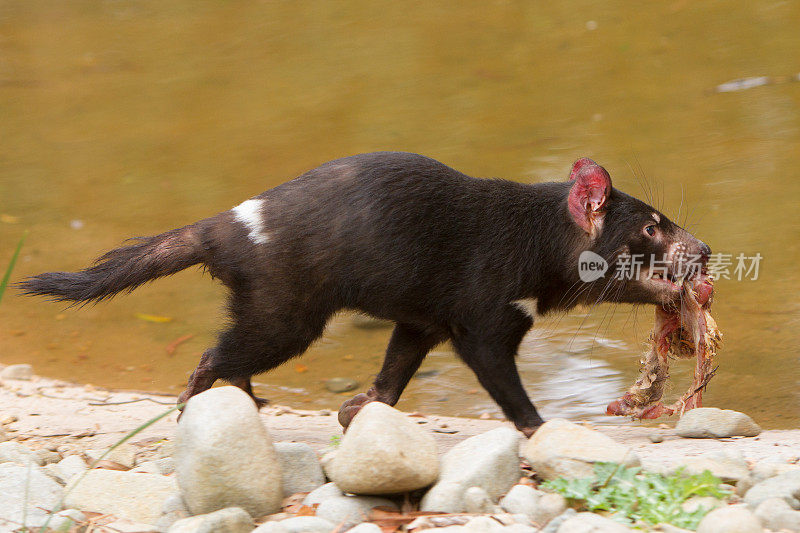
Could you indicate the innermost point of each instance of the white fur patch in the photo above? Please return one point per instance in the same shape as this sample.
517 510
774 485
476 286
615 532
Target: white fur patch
249 214
527 306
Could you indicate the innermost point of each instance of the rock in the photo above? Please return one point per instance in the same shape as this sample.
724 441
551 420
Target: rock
762 470
328 490
21 372
714 423
124 454
591 523
730 519
26 491
224 456
555 523
14 452
365 528
47 457
728 465
483 524
776 514
228 520
669 528
477 501
549 507
62 521
130 495
519 528
384 453
301 471
562 449
164 466
341 384
350 511
521 499
69 466
656 438
298 524
489 461
172 510
697 502
785 486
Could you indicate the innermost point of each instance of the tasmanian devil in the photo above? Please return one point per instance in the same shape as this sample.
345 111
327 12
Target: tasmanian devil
401 237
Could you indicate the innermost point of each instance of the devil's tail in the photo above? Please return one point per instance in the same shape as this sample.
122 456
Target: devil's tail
122 269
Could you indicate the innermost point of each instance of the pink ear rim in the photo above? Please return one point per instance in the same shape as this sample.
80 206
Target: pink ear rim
589 194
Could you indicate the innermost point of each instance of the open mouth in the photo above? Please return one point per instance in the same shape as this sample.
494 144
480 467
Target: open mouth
667 279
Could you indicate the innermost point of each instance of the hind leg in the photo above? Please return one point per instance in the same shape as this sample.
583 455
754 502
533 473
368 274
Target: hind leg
201 379
245 385
407 348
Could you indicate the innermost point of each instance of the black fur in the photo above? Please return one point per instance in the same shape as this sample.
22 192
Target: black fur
398 236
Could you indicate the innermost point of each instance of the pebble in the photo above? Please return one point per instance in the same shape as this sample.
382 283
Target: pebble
20 372
224 456
349 511
297 524
762 470
14 452
555 523
521 499
730 519
300 468
130 495
785 486
63 521
728 465
548 507
341 384
172 510
317 496
124 454
483 524
489 460
164 466
48 456
776 514
591 523
228 520
26 490
714 423
656 438
366 527
383 452
69 466
562 449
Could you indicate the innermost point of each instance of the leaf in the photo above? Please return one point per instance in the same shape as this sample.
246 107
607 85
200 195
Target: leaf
300 368
153 318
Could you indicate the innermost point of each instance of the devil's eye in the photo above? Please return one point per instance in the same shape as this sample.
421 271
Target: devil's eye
650 230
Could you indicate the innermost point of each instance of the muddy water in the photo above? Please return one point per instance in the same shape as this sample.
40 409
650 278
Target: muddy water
130 118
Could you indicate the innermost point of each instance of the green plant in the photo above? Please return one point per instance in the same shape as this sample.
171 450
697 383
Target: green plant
336 440
7 275
631 495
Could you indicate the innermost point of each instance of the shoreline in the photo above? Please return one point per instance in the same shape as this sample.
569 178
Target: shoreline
51 414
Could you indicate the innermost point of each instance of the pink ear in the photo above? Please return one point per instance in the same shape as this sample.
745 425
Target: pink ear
589 194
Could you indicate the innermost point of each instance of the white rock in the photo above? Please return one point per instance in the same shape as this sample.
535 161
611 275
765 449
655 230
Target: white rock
697 502
366 527
489 460
317 496
224 456
591 523
14 452
714 423
555 523
69 466
300 467
47 457
21 372
123 525
124 454
228 520
130 495
562 449
350 511
483 524
172 509
477 501
763 470
164 466
731 519
728 465
62 521
298 524
384 453
519 528
776 514
786 486
26 483
548 507
521 499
